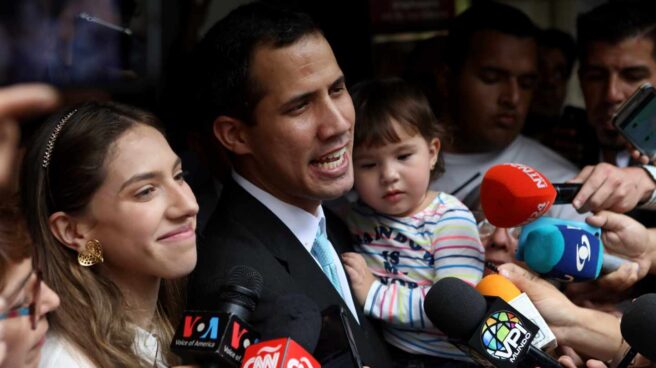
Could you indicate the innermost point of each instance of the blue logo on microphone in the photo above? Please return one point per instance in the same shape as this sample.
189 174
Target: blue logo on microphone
583 252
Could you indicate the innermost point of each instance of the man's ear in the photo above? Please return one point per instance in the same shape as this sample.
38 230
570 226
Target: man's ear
71 232
231 133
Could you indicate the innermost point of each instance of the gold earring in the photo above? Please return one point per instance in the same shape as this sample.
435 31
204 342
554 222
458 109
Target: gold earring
91 255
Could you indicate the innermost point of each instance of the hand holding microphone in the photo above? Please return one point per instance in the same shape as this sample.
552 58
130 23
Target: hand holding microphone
608 187
628 238
638 327
574 251
587 331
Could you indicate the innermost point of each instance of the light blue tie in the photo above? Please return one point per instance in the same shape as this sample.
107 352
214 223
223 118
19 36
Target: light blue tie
321 252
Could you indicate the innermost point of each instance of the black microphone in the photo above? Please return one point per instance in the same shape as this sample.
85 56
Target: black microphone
638 327
220 337
336 347
566 192
297 317
494 334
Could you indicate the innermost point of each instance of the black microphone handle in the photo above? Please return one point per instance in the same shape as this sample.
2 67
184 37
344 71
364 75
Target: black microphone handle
566 192
538 358
628 358
212 365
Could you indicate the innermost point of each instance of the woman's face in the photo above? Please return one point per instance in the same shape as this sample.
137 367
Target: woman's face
20 291
144 213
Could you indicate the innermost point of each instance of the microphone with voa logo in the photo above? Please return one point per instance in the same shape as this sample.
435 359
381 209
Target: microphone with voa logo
220 337
565 250
515 194
494 334
495 285
638 326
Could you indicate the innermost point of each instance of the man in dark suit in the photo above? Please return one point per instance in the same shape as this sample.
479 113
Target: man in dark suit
275 99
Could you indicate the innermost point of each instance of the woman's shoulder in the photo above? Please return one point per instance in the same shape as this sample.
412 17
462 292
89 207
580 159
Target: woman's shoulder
58 352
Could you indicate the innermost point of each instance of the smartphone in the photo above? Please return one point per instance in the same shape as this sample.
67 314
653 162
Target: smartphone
336 346
636 120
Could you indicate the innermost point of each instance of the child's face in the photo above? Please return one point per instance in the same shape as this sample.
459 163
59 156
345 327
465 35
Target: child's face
393 178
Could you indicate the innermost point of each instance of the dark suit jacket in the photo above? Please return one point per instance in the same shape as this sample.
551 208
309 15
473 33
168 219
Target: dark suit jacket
242 231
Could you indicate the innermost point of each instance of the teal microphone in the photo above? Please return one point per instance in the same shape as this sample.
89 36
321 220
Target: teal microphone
565 250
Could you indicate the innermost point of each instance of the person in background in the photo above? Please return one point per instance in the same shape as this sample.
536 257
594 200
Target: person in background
556 57
114 227
492 72
616 44
564 129
28 298
407 236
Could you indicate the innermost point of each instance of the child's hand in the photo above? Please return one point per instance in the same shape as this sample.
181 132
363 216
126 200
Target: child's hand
361 278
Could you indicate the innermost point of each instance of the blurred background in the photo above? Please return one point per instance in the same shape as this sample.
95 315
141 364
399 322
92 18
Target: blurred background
139 51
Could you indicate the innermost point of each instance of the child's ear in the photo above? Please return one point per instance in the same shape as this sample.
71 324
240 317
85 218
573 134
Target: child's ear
434 151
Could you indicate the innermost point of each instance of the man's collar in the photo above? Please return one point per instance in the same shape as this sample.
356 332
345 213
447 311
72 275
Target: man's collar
301 223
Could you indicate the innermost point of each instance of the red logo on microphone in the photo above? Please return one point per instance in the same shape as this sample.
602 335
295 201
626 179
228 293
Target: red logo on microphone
237 334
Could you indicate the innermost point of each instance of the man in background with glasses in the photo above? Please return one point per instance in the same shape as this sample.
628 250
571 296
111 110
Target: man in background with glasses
500 243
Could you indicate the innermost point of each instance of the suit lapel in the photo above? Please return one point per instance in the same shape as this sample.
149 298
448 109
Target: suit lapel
281 242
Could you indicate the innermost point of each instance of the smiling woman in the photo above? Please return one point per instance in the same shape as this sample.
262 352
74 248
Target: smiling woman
28 299
111 212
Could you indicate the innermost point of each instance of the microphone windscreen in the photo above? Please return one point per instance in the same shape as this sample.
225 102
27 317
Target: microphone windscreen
638 325
295 316
455 307
563 249
243 286
515 194
499 286
543 248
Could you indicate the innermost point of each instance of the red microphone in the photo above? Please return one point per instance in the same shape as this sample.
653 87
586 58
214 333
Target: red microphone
515 194
278 353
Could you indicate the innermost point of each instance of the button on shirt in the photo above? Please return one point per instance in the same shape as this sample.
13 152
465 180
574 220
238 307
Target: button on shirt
303 225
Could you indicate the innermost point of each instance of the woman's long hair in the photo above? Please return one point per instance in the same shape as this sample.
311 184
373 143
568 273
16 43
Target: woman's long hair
93 315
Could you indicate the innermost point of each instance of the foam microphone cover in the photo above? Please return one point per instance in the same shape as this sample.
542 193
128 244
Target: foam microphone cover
514 195
563 249
455 307
638 326
497 285
295 316
240 292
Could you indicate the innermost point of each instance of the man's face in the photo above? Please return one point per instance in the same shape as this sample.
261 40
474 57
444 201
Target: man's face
493 90
301 142
609 74
552 83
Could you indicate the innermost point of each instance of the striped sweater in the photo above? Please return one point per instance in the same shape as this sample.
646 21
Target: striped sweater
408 255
